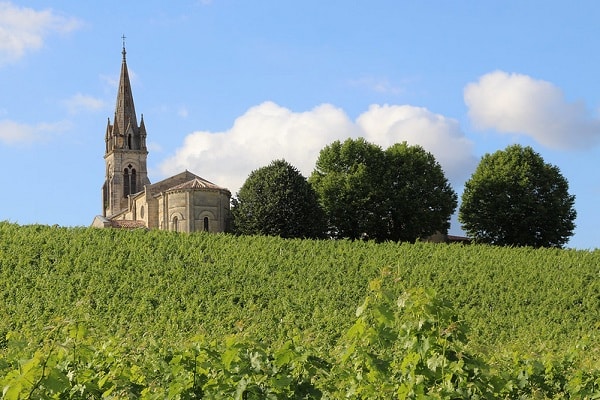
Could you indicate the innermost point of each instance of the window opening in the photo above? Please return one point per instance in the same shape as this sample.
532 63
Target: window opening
133 181
126 182
129 181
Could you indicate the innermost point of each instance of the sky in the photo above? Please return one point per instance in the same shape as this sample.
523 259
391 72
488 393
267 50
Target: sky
226 87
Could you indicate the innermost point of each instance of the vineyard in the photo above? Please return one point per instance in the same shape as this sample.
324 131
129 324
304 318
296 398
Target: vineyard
88 313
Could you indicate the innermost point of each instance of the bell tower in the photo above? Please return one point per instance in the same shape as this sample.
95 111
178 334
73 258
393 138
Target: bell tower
125 153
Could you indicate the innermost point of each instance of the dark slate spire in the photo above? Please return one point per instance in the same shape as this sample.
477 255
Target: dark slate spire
125 109
125 133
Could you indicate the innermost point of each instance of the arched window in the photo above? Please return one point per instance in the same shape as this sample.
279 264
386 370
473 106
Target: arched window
126 183
206 224
175 223
129 141
129 181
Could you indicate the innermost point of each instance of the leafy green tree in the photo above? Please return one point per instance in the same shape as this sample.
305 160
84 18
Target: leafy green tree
514 198
398 194
277 200
420 199
348 179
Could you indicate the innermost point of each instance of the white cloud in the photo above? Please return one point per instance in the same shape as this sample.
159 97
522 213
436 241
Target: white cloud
81 102
268 131
12 132
439 135
515 103
23 29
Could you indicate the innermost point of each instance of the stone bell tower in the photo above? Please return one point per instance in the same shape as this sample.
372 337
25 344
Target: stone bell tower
125 154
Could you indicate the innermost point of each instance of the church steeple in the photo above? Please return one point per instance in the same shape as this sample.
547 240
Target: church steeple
125 133
125 108
126 151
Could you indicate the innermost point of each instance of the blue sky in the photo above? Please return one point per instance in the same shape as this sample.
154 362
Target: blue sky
225 87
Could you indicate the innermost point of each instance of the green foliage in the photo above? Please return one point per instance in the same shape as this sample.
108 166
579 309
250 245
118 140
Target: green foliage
348 179
277 200
515 198
420 199
154 286
399 194
408 347
70 365
87 312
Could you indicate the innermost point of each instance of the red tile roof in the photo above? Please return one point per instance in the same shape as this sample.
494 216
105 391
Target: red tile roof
127 224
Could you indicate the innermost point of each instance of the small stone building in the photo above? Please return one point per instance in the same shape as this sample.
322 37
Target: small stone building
184 202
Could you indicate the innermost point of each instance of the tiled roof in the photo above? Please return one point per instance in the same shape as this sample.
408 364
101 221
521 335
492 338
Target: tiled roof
127 224
171 182
196 183
453 238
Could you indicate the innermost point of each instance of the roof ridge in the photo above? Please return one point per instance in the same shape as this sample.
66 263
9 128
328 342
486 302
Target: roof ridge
196 182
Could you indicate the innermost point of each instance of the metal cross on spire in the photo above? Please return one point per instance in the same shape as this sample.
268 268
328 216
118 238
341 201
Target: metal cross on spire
123 52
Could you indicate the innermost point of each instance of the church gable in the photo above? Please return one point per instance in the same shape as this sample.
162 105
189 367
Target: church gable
196 183
170 182
182 181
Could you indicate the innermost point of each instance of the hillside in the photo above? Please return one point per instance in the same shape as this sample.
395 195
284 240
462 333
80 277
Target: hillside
165 284
162 288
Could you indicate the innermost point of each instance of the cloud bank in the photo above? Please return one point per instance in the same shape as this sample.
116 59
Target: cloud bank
519 104
23 29
268 131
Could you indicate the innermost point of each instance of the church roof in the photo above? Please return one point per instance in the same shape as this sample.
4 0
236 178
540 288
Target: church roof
196 183
126 224
182 181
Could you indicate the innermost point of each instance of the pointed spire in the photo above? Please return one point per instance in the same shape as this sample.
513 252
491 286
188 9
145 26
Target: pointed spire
142 133
142 127
124 133
107 137
108 130
125 109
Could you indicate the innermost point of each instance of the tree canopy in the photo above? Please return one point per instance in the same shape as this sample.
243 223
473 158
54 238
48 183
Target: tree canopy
347 179
397 194
420 199
515 198
277 200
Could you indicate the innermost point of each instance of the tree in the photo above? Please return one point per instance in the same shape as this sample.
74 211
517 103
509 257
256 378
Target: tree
397 194
514 198
277 200
348 179
420 199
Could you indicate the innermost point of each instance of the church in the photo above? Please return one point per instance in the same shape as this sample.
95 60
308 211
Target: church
184 202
